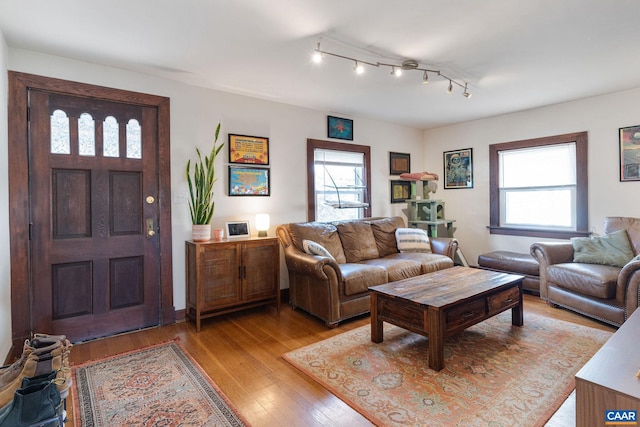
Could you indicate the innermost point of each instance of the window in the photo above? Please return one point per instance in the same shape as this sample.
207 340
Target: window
338 179
539 187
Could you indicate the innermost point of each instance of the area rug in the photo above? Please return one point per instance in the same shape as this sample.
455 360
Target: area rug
495 374
159 385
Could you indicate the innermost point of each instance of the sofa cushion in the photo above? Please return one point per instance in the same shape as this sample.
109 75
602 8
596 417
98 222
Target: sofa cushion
412 240
358 277
428 262
357 240
320 232
313 248
384 231
613 249
587 279
397 268
632 225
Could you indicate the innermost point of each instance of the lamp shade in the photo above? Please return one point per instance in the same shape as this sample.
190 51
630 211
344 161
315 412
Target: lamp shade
262 224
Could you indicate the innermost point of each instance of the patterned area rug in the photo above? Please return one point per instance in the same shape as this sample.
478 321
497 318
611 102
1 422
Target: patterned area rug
495 374
156 386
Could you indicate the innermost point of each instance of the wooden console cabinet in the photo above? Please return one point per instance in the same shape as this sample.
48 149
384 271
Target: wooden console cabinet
231 275
608 381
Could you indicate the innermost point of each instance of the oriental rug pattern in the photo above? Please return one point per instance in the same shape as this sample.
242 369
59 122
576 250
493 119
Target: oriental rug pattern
495 374
156 386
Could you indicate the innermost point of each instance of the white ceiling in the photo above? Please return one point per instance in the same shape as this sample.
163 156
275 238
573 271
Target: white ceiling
514 54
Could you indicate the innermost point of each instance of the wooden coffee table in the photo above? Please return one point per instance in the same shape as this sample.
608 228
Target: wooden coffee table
443 303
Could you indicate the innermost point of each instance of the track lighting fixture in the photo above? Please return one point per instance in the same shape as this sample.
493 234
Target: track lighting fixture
396 69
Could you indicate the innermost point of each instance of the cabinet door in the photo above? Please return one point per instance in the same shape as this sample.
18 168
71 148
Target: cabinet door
221 275
260 261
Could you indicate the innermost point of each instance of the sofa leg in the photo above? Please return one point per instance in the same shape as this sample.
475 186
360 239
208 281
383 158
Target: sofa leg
331 325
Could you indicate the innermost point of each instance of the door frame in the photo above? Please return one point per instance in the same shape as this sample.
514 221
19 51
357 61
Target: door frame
18 151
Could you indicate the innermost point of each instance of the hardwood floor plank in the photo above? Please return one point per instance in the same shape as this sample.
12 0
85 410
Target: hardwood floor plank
241 352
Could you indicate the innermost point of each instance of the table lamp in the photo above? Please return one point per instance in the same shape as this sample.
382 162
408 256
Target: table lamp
262 224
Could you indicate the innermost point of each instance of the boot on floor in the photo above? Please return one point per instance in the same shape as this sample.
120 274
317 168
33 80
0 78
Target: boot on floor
31 405
40 356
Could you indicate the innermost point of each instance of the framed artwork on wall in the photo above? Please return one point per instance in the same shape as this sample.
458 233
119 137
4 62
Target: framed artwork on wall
458 169
400 191
340 128
245 149
630 153
399 163
246 181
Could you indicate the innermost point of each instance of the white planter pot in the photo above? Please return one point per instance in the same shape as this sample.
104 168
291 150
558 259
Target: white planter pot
200 232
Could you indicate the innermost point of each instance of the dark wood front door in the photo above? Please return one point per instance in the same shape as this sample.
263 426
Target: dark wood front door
94 216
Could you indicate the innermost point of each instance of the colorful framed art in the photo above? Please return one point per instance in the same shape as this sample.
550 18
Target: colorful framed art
458 169
340 128
630 153
247 181
244 149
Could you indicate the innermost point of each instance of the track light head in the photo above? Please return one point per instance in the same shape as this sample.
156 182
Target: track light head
396 71
358 68
450 89
466 93
425 78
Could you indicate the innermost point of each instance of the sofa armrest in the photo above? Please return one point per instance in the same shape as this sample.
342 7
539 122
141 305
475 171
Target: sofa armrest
313 265
552 252
549 253
444 246
628 286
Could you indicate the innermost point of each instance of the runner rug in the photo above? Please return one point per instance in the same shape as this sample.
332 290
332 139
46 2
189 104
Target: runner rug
159 385
495 374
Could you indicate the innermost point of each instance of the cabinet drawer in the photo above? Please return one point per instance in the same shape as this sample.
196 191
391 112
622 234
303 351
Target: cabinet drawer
401 314
503 300
467 314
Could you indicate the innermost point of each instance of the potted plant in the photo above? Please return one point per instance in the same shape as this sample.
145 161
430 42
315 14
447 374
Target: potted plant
201 204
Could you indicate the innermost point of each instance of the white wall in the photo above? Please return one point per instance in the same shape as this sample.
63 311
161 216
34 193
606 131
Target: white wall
600 116
5 260
194 114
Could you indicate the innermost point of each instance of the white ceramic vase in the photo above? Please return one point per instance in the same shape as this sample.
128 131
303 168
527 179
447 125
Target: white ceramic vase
200 232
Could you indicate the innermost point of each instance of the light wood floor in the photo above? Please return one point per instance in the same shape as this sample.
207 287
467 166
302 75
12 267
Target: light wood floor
241 353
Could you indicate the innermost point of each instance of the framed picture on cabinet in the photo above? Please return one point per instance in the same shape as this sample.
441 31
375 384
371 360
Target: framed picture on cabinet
458 169
248 149
245 181
630 153
237 229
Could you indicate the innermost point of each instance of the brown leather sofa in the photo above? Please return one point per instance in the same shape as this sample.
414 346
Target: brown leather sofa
364 254
609 294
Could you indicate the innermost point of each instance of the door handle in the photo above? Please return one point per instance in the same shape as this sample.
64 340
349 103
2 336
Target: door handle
150 228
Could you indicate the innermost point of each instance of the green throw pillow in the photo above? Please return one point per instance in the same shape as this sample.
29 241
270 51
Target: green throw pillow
613 249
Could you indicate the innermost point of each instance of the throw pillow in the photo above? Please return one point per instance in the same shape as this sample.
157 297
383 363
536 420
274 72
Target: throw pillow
313 248
384 231
412 240
612 249
357 240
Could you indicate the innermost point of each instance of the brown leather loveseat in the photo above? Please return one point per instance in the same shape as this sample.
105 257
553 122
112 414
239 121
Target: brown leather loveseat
609 293
361 253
